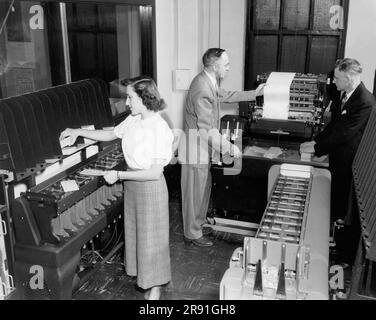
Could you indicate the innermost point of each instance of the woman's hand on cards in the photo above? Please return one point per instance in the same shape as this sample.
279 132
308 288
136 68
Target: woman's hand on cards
68 137
111 176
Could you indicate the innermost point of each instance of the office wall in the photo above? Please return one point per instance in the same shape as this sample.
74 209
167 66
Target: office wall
361 35
232 29
185 29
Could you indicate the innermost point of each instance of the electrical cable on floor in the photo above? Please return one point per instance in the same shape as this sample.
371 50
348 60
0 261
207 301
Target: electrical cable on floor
87 259
99 255
92 257
114 234
116 243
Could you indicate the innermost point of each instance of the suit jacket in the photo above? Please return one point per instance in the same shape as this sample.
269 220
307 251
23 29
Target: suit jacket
341 137
201 120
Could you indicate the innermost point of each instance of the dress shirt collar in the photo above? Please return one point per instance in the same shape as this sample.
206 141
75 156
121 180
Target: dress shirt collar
212 79
348 95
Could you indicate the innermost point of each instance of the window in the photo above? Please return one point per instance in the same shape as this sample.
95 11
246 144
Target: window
24 55
47 43
303 36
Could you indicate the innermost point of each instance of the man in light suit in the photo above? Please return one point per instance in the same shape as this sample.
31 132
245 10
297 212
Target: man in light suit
202 137
341 137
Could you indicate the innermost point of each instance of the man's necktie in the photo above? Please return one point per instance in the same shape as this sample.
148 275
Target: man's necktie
343 100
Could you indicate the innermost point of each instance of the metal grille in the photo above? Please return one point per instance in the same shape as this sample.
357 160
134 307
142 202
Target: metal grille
364 176
285 212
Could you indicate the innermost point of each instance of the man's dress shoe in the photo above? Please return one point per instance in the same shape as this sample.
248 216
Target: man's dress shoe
200 242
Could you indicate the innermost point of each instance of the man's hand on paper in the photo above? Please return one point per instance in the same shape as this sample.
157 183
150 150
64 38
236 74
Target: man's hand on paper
68 137
308 147
320 159
260 90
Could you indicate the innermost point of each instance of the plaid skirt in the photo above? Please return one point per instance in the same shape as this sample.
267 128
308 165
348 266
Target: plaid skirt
146 220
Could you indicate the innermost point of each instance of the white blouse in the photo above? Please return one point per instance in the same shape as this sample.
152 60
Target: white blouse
144 140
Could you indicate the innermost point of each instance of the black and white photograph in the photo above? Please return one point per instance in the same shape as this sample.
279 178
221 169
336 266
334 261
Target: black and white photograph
206 155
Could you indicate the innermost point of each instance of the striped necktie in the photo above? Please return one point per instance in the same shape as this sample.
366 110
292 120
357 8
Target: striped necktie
343 100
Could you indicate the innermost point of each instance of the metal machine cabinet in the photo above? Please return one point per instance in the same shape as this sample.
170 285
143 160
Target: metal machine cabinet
289 256
363 283
266 142
54 227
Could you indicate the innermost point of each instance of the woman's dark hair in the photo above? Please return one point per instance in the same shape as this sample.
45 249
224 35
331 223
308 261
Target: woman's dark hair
147 90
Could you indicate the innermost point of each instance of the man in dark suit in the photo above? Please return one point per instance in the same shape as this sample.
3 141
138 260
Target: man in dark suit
341 137
201 127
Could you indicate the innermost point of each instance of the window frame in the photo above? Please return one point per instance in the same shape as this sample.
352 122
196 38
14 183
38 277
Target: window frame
252 32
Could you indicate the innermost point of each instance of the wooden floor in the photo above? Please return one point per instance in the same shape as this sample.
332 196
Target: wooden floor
196 271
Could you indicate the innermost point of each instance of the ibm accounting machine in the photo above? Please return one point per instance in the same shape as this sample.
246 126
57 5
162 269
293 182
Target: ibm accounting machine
286 234
56 222
269 131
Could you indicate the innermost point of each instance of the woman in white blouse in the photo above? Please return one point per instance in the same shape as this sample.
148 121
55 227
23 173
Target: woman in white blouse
147 147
